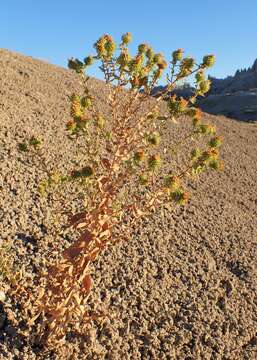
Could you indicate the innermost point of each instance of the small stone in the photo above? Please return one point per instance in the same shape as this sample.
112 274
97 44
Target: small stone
2 296
2 320
10 330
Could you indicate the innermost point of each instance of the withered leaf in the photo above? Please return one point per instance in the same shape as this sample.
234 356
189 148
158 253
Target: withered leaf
106 163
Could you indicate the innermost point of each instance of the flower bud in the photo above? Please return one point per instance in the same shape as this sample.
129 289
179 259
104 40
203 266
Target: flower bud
75 64
208 61
89 60
195 153
142 48
86 102
177 55
204 86
177 107
162 65
124 59
172 182
135 64
109 45
206 129
211 154
215 142
216 164
180 197
188 63
194 112
200 76
158 58
126 38
23 147
150 54
76 110
71 125
205 157
100 47
35 142
154 162
139 156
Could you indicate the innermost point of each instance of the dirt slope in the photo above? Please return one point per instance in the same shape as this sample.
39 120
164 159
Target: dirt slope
184 287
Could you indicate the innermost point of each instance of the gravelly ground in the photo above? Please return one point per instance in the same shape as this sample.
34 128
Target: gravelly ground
184 287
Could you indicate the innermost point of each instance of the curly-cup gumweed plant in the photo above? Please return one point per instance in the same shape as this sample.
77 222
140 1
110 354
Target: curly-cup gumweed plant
127 171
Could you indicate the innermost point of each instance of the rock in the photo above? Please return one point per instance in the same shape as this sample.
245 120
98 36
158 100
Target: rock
2 320
2 296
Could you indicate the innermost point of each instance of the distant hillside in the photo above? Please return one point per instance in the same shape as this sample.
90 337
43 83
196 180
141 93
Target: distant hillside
235 96
243 80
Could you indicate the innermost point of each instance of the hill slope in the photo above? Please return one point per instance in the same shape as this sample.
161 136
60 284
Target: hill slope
235 96
184 286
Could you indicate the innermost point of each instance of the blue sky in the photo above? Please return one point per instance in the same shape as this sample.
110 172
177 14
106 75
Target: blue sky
54 30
